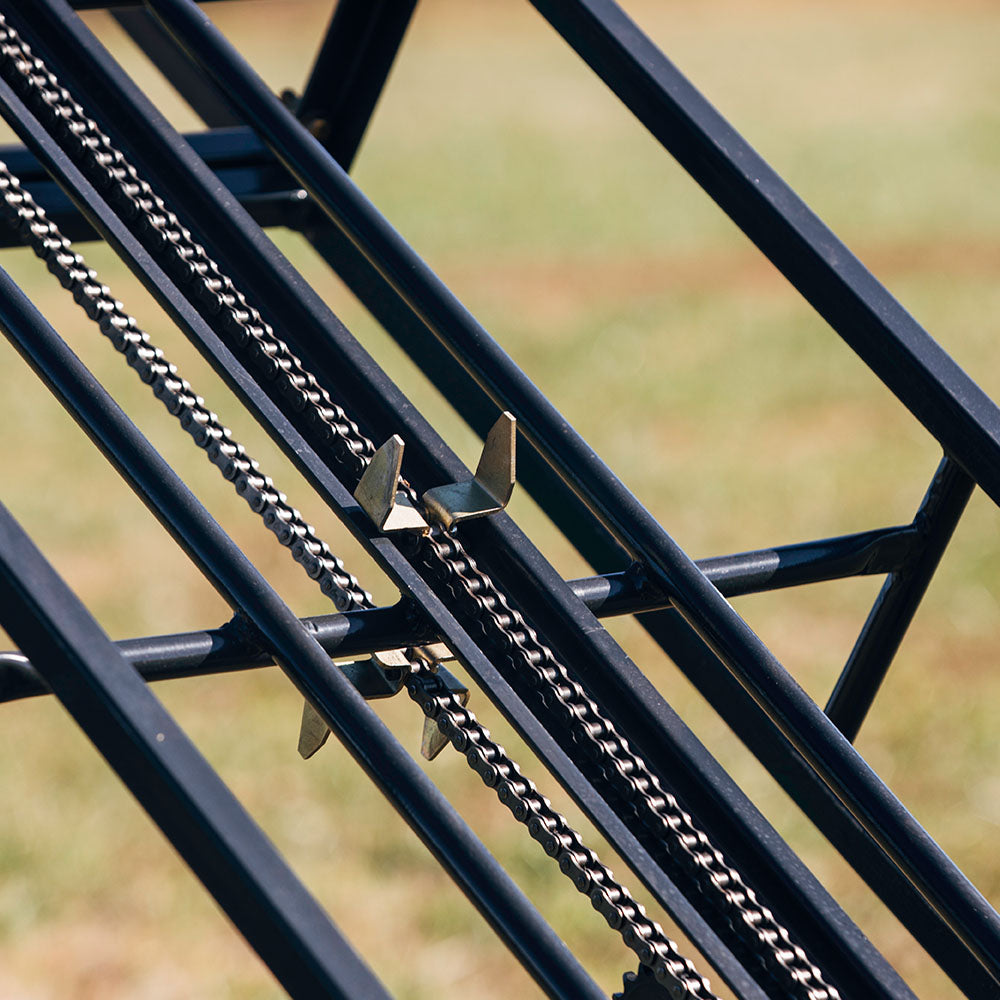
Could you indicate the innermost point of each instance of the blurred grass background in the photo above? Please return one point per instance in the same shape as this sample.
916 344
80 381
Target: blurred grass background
735 414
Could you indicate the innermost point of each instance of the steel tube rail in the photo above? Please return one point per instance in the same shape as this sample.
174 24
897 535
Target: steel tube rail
234 647
361 633
898 601
412 793
172 781
237 157
232 148
866 553
798 718
306 459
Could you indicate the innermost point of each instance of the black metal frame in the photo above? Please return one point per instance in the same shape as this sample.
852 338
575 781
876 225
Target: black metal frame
270 163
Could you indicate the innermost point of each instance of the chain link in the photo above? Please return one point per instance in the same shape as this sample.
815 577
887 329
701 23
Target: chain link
530 664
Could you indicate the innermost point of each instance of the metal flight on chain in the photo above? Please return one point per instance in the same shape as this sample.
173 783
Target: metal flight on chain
379 676
379 494
382 676
433 741
488 492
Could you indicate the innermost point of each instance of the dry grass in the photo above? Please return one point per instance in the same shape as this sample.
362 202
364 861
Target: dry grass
729 408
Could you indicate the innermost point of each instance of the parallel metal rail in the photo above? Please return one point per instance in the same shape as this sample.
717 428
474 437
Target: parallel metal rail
289 168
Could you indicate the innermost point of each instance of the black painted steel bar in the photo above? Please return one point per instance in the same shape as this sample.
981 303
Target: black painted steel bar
221 148
172 781
406 786
302 454
898 601
350 71
189 81
799 719
236 646
900 352
866 553
360 633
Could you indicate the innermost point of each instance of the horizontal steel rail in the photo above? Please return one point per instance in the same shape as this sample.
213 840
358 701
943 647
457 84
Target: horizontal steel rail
975 442
237 646
359 633
238 158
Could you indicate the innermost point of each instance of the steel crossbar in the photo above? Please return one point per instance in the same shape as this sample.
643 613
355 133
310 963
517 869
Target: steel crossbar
681 603
359 633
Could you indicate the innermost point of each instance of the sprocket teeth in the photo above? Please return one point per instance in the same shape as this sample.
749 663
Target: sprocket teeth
641 985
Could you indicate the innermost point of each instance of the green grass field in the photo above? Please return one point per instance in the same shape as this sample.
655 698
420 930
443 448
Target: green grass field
731 410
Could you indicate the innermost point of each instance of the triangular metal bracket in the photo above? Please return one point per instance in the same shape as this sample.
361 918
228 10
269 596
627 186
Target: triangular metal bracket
491 488
379 495
313 732
380 676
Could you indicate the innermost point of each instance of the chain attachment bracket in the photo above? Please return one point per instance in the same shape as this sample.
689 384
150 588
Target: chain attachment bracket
489 491
379 495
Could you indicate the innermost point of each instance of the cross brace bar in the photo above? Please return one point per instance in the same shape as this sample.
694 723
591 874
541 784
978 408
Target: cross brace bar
359 633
